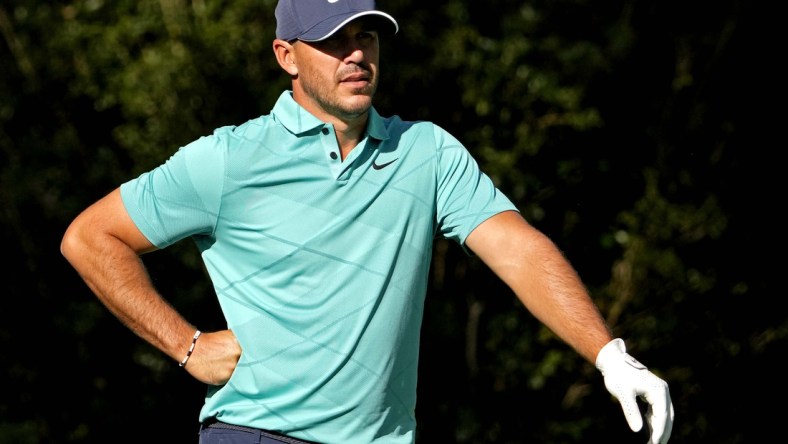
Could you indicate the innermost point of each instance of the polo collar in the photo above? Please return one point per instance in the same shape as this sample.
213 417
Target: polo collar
298 121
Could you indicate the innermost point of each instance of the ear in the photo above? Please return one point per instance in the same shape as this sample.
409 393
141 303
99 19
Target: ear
285 56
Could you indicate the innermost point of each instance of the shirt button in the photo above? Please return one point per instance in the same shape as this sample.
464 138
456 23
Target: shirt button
325 131
333 155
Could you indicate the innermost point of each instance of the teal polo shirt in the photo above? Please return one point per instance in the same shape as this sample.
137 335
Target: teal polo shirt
320 264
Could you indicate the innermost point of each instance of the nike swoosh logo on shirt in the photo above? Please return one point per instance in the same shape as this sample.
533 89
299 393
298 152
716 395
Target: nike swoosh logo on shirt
383 165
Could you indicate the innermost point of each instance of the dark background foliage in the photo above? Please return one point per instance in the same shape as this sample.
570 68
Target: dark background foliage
639 135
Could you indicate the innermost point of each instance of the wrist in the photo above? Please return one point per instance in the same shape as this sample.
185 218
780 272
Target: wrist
612 351
614 358
191 348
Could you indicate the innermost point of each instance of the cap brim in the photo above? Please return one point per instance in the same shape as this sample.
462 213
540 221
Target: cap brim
327 28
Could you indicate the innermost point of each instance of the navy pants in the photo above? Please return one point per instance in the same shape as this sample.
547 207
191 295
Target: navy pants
216 432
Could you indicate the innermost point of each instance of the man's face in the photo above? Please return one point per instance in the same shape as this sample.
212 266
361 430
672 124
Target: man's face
339 75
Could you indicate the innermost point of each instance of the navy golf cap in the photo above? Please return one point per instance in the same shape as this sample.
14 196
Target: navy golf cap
315 20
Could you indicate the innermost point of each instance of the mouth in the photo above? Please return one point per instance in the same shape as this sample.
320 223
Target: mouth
358 83
357 79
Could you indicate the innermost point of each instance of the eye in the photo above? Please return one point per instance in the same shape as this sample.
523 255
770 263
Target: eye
367 36
331 43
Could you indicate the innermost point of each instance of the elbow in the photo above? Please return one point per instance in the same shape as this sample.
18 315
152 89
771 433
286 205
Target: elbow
70 243
67 243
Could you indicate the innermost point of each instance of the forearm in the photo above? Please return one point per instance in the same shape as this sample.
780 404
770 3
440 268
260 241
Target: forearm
118 278
552 291
544 281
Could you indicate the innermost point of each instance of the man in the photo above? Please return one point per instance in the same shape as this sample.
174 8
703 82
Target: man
316 225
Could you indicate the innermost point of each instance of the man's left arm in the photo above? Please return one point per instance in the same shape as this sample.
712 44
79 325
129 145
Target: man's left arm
544 281
550 288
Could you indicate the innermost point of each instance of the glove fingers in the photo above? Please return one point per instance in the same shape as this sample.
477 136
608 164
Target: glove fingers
659 414
668 426
631 412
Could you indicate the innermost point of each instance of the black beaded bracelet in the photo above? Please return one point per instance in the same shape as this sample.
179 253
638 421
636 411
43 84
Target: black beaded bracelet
191 348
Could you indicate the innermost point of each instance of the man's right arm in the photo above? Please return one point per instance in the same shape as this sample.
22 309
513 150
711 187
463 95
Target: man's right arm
104 246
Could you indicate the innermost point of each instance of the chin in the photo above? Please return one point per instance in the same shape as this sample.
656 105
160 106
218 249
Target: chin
358 104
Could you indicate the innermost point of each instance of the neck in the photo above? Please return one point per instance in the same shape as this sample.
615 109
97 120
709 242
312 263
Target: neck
349 127
349 134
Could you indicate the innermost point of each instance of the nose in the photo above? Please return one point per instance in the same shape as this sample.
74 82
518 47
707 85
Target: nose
354 53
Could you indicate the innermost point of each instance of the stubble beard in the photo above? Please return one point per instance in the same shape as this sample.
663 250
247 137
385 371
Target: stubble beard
329 100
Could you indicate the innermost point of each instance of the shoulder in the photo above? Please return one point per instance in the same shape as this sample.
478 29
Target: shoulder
234 138
418 131
252 129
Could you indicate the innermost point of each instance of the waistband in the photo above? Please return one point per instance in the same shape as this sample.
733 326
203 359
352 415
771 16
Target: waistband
213 423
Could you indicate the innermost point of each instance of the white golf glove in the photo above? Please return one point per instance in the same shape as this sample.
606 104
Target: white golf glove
627 379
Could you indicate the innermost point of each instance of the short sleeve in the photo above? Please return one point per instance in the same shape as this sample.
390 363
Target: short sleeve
466 195
179 198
